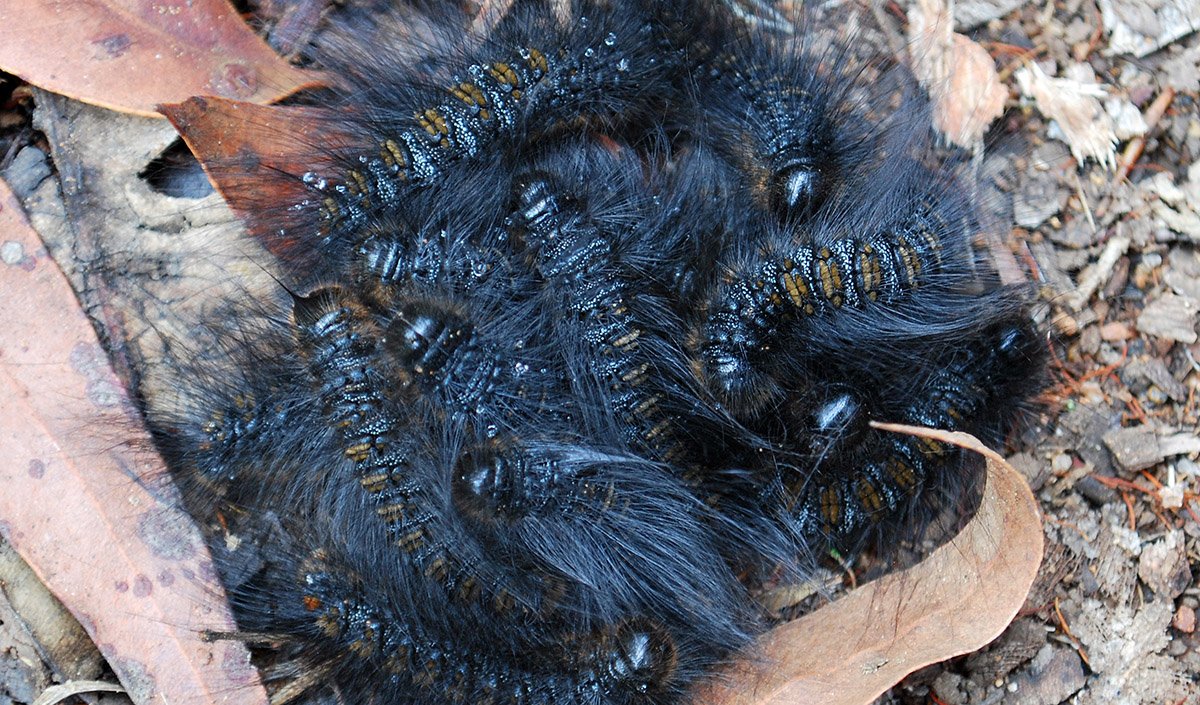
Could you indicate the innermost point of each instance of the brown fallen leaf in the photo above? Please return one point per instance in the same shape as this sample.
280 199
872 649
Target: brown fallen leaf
91 514
131 55
959 74
955 601
257 158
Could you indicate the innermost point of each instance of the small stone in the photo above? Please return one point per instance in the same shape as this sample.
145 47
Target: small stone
1055 675
1184 619
27 170
11 252
1115 332
1163 566
1095 491
1171 496
1061 463
1089 340
1135 448
1172 317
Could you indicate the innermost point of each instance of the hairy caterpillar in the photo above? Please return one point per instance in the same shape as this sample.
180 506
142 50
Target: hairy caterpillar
468 99
853 477
866 255
348 359
586 220
777 108
357 632
555 538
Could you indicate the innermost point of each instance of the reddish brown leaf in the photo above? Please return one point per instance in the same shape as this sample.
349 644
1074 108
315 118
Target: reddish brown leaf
83 498
257 156
953 602
131 55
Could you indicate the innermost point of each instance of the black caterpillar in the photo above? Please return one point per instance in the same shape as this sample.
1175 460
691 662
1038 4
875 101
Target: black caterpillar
598 291
471 98
604 306
870 257
360 634
846 478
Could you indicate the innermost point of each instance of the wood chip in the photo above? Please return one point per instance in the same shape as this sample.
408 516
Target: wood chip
1072 102
959 74
1172 317
1155 372
1163 566
1096 276
1134 448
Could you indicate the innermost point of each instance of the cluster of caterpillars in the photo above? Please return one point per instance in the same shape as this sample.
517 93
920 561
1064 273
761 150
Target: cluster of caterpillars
607 302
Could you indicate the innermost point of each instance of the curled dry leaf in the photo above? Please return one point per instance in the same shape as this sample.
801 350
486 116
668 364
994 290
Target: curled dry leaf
955 601
90 512
958 73
257 158
1073 102
131 55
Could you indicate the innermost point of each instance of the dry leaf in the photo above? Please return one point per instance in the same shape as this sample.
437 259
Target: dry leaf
86 511
958 73
1073 103
131 55
258 158
955 601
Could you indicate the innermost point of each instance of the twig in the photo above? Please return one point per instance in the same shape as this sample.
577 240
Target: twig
1099 274
1133 150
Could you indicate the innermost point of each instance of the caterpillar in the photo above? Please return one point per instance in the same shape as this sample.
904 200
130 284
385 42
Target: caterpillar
855 477
347 351
870 256
584 219
555 517
469 98
356 631
778 110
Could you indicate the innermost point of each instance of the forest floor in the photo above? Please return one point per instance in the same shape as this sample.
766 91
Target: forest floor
1112 449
